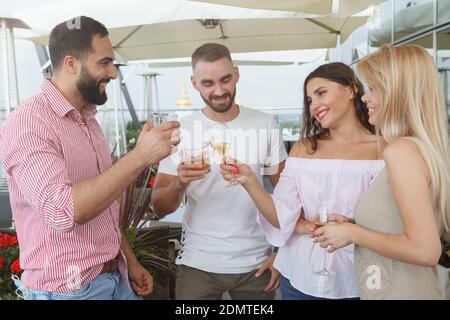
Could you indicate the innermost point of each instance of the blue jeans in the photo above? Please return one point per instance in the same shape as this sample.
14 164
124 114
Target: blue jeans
107 286
288 292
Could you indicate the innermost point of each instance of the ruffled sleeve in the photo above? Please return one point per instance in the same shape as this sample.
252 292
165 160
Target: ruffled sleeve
286 198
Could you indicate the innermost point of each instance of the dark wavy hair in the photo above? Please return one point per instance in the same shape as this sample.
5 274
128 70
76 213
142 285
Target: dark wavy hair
68 38
342 74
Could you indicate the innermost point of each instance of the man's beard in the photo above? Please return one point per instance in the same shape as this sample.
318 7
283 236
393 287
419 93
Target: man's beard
89 88
220 108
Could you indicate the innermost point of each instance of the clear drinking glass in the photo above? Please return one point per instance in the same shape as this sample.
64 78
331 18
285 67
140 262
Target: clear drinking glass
159 118
197 155
222 145
323 219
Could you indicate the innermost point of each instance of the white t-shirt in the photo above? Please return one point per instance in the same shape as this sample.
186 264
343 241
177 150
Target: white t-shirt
220 230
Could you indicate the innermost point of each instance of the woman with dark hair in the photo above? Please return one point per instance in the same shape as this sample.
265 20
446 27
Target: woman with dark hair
327 171
340 74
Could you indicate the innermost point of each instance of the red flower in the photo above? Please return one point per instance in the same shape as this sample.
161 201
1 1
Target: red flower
15 267
2 240
14 240
6 240
1 262
152 181
11 240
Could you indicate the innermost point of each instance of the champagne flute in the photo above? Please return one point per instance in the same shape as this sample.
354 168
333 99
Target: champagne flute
222 145
323 219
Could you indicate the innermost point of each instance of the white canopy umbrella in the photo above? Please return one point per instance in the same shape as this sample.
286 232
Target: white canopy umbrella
175 28
117 13
187 63
269 58
343 8
181 38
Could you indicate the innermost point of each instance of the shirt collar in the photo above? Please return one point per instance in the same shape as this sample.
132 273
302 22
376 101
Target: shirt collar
61 105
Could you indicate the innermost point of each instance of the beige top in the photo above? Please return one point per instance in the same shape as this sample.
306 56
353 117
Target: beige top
380 277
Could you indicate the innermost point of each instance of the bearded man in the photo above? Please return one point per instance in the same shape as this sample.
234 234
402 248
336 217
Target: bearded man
223 249
63 186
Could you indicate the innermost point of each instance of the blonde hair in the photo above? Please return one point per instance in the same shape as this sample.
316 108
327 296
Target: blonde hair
413 108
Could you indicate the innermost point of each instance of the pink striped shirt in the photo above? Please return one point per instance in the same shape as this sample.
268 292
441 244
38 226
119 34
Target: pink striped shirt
45 147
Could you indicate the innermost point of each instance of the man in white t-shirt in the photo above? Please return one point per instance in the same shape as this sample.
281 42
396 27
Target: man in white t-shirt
223 248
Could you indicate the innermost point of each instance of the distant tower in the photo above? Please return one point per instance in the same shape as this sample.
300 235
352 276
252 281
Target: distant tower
183 101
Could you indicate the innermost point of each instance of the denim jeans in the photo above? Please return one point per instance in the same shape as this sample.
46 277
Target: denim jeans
107 286
288 292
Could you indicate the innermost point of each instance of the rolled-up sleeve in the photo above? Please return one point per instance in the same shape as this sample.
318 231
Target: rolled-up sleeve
32 157
286 198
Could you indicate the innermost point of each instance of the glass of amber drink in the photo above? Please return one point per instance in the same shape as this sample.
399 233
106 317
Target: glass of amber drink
198 155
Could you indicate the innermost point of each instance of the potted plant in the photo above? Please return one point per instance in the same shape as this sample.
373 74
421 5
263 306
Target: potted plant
152 245
9 265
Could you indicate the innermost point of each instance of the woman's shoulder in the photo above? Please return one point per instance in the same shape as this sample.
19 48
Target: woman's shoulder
401 149
405 153
372 145
301 149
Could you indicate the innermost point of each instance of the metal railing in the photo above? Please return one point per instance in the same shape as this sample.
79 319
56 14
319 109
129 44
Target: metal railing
288 119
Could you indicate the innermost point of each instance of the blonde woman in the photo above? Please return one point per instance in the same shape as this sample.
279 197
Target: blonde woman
401 217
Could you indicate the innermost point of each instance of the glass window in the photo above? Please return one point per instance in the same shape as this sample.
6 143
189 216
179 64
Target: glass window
426 42
443 10
443 63
331 55
347 51
289 122
359 43
412 16
380 27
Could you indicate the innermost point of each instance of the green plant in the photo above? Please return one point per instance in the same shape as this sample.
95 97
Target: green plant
131 134
9 265
150 244
152 249
445 256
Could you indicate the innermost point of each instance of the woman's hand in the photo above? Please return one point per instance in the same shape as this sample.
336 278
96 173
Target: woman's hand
235 171
334 235
304 226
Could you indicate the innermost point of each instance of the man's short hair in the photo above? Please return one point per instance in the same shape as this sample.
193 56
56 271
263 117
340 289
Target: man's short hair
210 52
73 37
